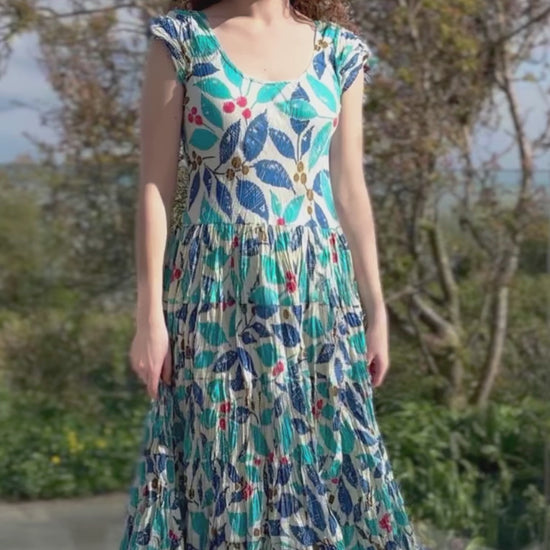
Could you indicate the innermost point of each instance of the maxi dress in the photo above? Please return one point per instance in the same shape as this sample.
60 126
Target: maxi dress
267 438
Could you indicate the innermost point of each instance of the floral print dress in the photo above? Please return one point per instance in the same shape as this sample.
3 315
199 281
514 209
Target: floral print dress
266 438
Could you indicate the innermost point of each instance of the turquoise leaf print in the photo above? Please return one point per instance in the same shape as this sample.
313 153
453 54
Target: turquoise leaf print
268 354
299 109
203 139
260 443
255 137
276 204
203 44
322 186
211 112
269 92
320 144
293 208
274 173
215 87
305 141
232 75
238 522
212 332
323 93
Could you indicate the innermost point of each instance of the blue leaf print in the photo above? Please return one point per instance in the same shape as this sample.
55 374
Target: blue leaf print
349 470
203 139
204 69
220 505
297 395
315 510
319 214
251 197
242 414
327 351
355 405
225 361
288 505
237 383
306 535
365 437
232 472
300 426
223 196
194 189
246 360
198 394
344 498
229 141
261 329
282 143
320 64
274 173
311 260
255 137
283 474
339 370
305 143
287 333
208 180
353 319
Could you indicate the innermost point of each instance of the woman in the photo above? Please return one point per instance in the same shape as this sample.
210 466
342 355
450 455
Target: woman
261 432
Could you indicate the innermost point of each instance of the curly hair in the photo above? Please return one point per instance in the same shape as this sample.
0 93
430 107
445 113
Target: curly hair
337 11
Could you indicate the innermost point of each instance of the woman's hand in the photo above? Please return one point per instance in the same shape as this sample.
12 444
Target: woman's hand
378 348
151 356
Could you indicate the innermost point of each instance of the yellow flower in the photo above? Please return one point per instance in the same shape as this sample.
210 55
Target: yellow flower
55 459
100 443
75 446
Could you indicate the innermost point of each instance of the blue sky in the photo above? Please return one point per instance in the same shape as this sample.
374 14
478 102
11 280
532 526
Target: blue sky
24 92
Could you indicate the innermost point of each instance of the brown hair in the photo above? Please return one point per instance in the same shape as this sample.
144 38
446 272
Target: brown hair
337 11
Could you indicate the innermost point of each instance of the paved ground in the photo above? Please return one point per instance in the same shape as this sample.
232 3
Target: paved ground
86 524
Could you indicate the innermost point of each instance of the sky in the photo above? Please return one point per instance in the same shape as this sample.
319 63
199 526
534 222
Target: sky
25 92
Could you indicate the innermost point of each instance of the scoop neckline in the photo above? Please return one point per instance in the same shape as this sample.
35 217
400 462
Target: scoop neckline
209 29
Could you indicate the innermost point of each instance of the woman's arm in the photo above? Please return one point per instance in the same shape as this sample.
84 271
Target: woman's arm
354 210
160 125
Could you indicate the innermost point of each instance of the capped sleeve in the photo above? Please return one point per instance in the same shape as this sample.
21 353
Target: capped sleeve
353 55
170 29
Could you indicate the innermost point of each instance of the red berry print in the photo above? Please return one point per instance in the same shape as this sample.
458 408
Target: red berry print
242 101
278 368
223 423
385 522
271 456
291 286
194 110
280 221
284 460
176 273
335 257
257 460
247 490
225 407
290 276
198 120
190 117
247 113
228 107
235 241
334 480
319 403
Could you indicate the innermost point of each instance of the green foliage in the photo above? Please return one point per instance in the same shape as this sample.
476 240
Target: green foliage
478 473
